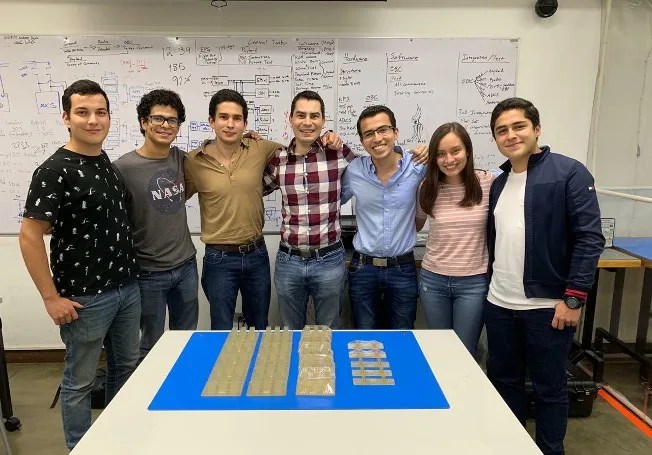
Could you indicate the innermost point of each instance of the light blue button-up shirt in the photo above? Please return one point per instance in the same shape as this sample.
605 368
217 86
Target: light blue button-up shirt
384 213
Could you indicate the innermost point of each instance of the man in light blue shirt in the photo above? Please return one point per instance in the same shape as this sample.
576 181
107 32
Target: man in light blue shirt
382 274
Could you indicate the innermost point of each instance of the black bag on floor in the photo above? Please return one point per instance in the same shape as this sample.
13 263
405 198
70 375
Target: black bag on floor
98 397
582 390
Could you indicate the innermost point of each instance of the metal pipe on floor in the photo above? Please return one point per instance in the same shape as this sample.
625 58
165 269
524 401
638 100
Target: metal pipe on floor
625 402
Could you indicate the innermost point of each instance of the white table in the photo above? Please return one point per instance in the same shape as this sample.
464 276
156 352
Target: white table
478 421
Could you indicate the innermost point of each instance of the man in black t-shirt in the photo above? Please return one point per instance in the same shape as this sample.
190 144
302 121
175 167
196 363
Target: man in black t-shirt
91 294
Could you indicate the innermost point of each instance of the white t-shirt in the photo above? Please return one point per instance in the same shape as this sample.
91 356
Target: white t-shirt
506 287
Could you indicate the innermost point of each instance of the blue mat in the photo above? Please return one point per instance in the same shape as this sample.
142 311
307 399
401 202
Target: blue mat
637 246
416 386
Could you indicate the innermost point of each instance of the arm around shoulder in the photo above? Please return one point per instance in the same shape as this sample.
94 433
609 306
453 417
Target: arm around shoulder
188 179
347 190
270 148
420 219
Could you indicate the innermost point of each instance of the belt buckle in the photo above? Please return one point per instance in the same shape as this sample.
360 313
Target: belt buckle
306 254
243 248
379 262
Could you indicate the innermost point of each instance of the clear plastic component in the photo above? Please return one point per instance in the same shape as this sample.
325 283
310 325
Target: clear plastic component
373 381
270 375
316 362
364 373
368 364
316 333
316 347
367 354
360 345
230 370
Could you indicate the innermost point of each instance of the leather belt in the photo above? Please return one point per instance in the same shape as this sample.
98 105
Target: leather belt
310 253
242 249
406 258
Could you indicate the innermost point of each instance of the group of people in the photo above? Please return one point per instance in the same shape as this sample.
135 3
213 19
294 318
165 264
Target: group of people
516 252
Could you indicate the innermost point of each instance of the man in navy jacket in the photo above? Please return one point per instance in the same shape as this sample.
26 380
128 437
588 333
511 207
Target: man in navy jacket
544 239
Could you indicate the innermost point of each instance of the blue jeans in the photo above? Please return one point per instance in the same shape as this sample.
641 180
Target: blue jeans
321 277
454 302
525 339
110 318
175 289
383 297
225 274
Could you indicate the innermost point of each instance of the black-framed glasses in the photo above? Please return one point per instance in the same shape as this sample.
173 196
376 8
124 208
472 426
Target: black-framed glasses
381 130
159 120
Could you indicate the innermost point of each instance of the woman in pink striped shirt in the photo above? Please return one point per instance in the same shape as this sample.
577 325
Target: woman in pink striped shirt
454 197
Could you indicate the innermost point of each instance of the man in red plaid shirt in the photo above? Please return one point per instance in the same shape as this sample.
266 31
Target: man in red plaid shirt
310 260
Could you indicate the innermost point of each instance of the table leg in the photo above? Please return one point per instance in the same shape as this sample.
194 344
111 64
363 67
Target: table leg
589 314
5 394
644 312
617 301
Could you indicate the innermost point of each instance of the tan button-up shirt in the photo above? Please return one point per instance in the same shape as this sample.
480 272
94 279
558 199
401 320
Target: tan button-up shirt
230 200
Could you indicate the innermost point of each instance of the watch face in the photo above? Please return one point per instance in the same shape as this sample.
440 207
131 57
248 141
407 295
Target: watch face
572 303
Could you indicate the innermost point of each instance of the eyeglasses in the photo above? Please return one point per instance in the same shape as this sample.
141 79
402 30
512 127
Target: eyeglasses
159 120
382 131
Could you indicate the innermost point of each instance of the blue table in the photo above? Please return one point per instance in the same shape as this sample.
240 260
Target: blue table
641 247
416 386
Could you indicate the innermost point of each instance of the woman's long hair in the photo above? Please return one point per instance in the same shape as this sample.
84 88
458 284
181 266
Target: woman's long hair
434 176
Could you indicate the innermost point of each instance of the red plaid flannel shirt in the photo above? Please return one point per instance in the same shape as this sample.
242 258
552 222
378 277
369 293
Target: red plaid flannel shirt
311 189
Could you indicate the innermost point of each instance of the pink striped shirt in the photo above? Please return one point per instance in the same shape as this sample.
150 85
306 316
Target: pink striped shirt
457 236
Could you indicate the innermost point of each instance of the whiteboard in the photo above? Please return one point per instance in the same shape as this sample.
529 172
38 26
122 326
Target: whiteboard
426 82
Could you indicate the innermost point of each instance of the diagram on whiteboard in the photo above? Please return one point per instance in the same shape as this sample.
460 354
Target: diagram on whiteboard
426 82
417 128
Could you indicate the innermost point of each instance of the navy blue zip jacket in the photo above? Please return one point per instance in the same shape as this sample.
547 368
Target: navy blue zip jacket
563 234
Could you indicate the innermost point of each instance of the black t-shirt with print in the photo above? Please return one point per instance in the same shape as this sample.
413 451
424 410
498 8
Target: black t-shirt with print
83 198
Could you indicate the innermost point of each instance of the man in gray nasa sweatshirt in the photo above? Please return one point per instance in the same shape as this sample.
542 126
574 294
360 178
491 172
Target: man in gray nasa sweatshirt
156 205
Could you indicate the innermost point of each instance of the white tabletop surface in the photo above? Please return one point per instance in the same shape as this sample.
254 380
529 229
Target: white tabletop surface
478 421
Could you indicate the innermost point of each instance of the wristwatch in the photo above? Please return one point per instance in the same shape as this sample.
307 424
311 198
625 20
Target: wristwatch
573 302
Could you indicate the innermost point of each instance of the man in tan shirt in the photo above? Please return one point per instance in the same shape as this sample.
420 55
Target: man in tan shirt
226 172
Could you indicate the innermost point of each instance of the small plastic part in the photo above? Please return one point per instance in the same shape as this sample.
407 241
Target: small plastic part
316 363
316 333
373 381
316 347
359 345
372 373
367 354
230 370
368 366
270 375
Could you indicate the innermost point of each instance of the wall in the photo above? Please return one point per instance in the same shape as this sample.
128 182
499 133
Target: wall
623 160
557 70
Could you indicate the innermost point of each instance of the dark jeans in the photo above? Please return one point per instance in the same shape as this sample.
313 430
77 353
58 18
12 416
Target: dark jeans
175 289
225 274
525 339
379 294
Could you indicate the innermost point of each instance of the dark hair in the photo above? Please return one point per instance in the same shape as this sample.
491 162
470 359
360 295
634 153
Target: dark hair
227 95
82 87
160 97
529 111
434 176
308 95
372 111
